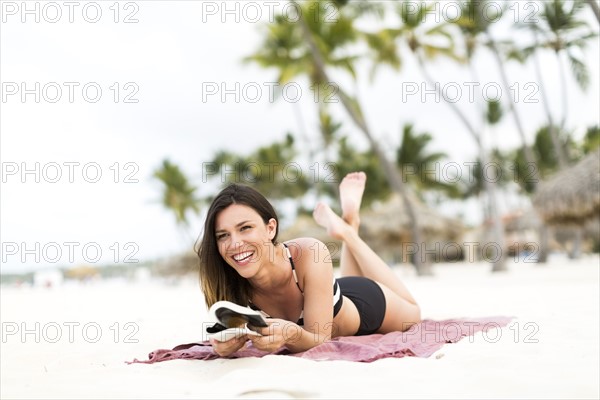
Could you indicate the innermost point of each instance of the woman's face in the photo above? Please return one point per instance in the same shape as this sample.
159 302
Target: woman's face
243 239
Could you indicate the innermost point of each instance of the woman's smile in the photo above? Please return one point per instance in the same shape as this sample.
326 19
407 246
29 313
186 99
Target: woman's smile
242 235
243 258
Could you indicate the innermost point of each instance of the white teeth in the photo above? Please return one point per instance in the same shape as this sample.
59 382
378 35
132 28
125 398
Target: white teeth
241 256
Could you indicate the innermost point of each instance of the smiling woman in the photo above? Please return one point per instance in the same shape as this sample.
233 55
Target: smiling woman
291 283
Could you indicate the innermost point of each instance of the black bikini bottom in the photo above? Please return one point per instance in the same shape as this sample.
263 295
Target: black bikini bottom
368 298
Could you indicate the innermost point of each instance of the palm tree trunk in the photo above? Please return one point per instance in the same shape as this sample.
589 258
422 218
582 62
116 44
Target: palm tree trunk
595 8
499 264
529 159
488 212
391 173
326 147
475 75
563 85
544 232
317 184
560 155
302 128
304 135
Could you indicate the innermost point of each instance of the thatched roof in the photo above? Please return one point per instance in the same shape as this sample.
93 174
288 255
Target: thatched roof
383 220
384 226
390 219
520 220
571 196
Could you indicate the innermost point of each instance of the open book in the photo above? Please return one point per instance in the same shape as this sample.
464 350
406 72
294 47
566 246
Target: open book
232 321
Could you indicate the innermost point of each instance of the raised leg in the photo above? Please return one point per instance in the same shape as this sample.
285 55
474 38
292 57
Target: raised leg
370 264
402 310
352 188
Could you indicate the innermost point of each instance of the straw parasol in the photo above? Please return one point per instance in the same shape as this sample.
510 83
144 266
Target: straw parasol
521 229
572 196
387 226
391 219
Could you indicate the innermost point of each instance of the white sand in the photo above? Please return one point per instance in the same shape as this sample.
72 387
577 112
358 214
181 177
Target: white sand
551 350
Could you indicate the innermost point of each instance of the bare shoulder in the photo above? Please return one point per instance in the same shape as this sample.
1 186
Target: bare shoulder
308 251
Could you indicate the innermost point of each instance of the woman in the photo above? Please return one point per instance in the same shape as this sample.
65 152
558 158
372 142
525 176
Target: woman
292 282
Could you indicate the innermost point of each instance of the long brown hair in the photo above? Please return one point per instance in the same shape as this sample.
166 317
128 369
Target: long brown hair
218 280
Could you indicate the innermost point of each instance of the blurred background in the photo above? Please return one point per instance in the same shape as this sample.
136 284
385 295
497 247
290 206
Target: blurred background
476 122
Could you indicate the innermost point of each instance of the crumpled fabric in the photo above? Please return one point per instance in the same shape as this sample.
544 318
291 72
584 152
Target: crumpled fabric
420 340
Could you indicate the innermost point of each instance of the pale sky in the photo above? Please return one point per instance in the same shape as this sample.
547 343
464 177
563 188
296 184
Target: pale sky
165 63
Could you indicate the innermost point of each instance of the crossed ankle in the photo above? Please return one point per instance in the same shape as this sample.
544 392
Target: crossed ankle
353 222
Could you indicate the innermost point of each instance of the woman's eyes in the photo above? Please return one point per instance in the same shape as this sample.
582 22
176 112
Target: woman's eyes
224 235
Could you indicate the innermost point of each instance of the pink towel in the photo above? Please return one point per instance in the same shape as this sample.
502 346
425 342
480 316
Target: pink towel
421 340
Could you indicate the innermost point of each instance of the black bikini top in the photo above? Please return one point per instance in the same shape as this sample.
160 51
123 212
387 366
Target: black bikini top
338 299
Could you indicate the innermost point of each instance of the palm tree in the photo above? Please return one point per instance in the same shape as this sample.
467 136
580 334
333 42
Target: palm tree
178 193
350 159
474 24
285 50
562 32
521 56
427 43
595 9
546 161
354 110
315 44
565 34
416 163
591 140
270 169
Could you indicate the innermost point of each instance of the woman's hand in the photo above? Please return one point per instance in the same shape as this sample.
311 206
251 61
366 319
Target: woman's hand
279 333
229 347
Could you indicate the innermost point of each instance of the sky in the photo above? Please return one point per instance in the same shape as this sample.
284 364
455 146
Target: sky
96 94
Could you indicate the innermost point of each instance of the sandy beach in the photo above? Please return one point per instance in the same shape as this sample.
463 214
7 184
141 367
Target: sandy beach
72 341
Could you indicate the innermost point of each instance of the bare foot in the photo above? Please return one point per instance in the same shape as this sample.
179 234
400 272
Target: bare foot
324 215
352 188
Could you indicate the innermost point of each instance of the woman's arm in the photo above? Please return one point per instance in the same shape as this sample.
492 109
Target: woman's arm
315 273
286 333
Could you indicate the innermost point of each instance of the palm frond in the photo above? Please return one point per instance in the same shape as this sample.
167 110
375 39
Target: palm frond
580 71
